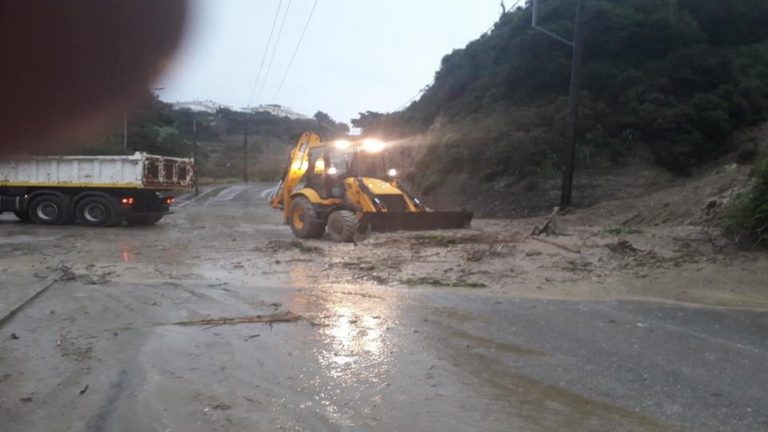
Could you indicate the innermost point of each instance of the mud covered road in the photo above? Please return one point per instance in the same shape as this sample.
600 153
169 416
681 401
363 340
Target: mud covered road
479 330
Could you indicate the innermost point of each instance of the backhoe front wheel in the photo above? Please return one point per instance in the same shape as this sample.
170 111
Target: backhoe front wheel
342 225
304 220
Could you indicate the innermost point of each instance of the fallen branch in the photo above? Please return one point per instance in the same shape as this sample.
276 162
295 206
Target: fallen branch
257 319
628 221
558 245
36 292
545 228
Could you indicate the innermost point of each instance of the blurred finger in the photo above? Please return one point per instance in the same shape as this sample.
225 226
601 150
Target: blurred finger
70 68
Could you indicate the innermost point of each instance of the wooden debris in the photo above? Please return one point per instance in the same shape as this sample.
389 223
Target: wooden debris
256 319
631 219
545 229
558 245
623 247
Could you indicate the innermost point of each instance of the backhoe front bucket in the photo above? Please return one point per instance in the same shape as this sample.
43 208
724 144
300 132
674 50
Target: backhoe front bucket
414 221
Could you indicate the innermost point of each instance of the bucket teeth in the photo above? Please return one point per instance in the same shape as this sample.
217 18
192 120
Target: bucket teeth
414 221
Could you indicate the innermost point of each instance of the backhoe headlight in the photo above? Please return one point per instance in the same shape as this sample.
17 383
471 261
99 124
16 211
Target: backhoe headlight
373 145
392 172
332 170
342 144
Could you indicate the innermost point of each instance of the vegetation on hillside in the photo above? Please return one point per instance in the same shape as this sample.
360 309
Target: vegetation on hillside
671 77
153 128
747 215
159 129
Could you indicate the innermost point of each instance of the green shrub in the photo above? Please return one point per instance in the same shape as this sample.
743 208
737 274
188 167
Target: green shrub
618 231
747 217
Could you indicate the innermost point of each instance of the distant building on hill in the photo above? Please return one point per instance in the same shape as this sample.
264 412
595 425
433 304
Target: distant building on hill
210 106
278 110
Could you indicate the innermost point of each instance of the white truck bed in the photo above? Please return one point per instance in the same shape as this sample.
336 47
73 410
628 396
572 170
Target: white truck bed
139 170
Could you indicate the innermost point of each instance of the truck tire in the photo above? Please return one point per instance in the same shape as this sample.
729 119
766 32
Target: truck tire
22 215
96 211
48 210
143 219
304 220
342 226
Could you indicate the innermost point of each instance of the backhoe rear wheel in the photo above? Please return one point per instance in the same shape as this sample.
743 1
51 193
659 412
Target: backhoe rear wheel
304 220
342 226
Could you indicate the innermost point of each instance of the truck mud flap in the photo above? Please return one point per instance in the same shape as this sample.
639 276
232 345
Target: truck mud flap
414 221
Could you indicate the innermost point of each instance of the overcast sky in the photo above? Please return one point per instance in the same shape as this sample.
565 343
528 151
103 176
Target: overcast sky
357 55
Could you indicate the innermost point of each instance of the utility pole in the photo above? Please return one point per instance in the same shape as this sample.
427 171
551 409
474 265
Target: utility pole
568 152
569 147
194 156
245 153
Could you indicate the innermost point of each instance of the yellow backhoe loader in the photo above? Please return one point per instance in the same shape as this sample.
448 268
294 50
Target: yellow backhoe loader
345 187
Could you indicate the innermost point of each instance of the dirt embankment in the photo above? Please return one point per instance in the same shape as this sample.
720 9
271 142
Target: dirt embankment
598 181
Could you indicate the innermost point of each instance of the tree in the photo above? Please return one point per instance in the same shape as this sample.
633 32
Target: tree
677 76
328 127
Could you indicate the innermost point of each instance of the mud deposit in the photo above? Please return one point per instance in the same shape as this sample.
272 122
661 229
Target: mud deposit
218 320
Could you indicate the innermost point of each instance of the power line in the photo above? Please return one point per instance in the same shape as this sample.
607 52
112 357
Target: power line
274 51
420 92
266 51
296 50
426 87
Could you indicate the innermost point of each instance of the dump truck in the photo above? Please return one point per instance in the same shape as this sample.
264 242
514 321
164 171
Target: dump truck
346 188
95 191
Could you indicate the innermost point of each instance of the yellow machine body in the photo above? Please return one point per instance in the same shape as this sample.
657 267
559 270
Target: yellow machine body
316 198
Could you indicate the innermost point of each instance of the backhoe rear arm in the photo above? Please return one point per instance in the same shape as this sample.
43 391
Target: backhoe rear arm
294 172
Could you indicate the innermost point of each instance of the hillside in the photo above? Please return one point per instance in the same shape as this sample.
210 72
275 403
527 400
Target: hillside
161 128
666 84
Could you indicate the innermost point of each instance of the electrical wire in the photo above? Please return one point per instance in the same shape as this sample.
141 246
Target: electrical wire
274 51
266 51
425 88
296 50
408 102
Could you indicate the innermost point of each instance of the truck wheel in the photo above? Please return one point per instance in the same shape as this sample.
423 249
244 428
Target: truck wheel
304 221
97 212
48 210
143 220
342 225
22 215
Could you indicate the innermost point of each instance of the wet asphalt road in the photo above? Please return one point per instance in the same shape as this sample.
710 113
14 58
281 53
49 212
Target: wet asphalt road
103 357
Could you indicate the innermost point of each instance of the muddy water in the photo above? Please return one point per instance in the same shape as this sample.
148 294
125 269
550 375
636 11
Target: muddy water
100 352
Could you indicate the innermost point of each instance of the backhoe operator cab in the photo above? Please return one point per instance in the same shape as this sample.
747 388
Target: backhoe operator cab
345 187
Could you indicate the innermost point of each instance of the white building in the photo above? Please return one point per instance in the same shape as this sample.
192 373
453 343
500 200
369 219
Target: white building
277 110
210 106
